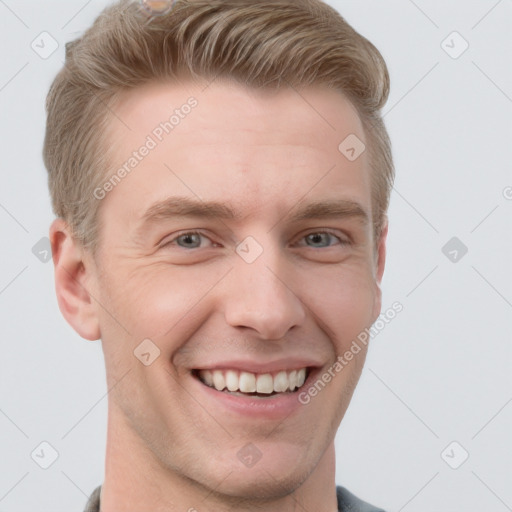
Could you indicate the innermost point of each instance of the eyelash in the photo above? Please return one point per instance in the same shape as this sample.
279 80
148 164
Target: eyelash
341 241
184 233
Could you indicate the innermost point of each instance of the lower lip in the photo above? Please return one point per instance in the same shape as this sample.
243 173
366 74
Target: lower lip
274 407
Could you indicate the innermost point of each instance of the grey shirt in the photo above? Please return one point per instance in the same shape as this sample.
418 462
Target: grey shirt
347 502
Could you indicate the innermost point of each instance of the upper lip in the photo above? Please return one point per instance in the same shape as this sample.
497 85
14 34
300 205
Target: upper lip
252 366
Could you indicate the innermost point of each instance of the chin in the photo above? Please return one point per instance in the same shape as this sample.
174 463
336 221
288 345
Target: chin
262 485
279 472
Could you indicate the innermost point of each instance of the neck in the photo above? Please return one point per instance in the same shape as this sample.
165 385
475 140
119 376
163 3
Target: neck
135 481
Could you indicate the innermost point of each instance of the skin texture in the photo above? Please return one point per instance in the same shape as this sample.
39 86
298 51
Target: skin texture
266 155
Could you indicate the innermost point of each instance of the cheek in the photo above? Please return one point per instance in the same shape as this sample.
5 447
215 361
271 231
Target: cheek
344 302
152 301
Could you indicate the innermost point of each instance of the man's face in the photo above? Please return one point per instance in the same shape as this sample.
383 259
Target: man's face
242 247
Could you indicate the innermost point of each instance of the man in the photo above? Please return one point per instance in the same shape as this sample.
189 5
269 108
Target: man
221 175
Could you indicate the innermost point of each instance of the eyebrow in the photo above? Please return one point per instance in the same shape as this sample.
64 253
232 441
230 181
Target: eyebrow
341 208
186 207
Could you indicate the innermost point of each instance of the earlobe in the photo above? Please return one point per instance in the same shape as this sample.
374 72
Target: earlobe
71 278
381 253
379 270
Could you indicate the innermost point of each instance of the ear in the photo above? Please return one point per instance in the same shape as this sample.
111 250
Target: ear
71 279
379 270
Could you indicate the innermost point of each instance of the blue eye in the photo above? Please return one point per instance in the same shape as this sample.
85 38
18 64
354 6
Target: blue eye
189 240
321 239
317 240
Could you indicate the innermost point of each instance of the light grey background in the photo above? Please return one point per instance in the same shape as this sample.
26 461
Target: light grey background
438 373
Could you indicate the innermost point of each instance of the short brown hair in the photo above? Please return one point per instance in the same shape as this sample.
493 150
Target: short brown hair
260 44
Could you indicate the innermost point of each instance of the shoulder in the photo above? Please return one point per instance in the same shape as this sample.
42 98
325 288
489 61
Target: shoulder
93 504
347 502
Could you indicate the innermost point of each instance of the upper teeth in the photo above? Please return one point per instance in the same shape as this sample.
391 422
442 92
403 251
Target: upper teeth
246 382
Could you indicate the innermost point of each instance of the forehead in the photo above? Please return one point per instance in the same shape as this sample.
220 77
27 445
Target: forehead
227 142
305 115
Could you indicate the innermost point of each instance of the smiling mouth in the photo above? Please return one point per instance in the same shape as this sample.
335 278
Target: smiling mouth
263 385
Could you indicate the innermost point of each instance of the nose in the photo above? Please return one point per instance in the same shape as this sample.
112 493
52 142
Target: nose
260 297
